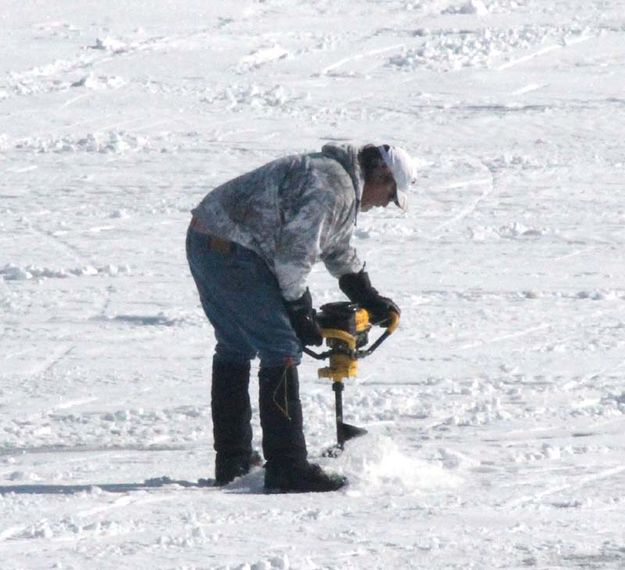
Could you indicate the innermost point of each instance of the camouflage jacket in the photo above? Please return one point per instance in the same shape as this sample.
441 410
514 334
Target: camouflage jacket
292 212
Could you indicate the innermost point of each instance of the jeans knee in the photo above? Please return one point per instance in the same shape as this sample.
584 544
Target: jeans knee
225 355
276 360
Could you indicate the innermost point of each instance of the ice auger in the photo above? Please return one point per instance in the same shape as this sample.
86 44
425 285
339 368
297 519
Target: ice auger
345 327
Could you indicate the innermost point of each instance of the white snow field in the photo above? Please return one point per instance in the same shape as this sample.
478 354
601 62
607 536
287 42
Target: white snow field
496 413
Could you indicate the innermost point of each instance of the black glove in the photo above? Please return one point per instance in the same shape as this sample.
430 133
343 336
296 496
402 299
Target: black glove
359 290
304 320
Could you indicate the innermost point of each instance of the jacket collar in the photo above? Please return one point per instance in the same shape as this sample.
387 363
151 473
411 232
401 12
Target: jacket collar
347 157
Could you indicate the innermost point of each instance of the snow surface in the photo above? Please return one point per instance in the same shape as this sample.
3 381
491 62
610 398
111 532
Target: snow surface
496 412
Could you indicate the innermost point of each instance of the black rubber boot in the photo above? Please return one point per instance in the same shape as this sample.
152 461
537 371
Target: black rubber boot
227 469
287 469
232 430
281 416
308 478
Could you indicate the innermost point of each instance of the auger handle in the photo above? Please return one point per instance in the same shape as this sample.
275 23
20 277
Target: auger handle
317 355
390 329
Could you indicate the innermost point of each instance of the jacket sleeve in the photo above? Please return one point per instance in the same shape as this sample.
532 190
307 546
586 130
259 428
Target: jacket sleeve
311 235
317 226
300 244
339 256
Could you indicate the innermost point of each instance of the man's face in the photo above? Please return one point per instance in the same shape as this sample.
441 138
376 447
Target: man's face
379 191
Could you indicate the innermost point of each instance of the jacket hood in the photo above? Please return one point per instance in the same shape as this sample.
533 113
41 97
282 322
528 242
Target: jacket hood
347 157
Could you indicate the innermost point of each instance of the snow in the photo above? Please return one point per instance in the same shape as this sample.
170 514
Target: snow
495 413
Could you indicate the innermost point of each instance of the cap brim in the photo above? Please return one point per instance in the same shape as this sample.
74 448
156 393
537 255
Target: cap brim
401 200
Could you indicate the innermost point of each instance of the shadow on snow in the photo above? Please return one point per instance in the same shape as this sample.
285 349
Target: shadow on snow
45 489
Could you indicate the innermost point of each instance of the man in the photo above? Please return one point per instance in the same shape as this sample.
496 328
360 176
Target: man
250 246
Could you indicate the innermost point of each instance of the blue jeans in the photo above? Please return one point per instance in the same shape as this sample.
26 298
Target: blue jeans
242 300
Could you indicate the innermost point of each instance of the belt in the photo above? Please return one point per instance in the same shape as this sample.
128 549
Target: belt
214 243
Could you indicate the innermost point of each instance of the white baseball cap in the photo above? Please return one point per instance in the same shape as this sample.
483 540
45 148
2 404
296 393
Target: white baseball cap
403 169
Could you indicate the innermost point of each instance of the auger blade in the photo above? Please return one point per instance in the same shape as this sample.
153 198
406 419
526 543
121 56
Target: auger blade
345 432
348 431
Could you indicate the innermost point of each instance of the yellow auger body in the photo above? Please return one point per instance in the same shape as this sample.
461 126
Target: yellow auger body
344 363
341 366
